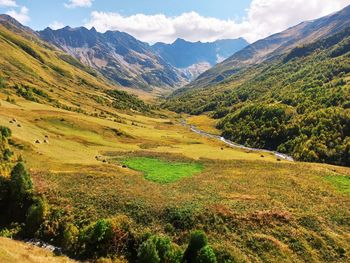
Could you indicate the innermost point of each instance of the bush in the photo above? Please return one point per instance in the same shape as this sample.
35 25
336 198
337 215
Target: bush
35 215
70 237
2 83
148 253
206 255
165 251
198 240
95 239
5 132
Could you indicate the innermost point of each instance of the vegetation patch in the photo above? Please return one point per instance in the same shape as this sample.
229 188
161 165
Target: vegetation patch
163 172
342 183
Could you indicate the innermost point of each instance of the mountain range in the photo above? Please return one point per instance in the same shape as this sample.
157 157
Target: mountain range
131 63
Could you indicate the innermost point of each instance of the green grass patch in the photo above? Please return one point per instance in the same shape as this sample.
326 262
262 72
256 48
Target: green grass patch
342 183
162 172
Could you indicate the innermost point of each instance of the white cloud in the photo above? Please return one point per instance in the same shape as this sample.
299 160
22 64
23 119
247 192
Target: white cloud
21 16
264 17
56 25
10 3
78 3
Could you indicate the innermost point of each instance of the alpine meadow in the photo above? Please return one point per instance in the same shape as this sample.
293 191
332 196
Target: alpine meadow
174 133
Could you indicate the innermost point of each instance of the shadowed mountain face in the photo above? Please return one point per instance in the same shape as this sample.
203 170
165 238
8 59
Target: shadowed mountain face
190 56
275 45
118 56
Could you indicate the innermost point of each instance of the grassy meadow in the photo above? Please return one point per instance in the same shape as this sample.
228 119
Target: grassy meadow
162 172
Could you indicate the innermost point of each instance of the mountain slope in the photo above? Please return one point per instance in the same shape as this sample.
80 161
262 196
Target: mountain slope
298 104
275 45
186 55
118 56
37 71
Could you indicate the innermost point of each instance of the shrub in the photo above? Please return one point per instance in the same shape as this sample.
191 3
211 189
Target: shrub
2 83
147 252
198 240
165 251
5 132
35 215
206 255
70 237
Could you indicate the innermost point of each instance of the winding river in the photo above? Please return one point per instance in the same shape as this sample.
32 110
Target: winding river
235 145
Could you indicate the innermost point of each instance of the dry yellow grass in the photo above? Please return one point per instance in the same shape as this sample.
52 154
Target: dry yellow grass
204 122
18 252
74 138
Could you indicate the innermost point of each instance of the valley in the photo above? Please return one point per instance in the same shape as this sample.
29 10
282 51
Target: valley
116 150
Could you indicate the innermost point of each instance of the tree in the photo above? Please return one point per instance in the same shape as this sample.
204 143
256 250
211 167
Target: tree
35 215
206 255
21 186
198 240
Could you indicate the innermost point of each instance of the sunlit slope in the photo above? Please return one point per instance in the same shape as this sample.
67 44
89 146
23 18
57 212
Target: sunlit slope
37 71
14 251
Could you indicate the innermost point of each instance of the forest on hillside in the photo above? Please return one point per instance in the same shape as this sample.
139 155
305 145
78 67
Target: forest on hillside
298 104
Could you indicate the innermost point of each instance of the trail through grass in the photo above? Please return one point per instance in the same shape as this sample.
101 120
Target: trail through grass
163 172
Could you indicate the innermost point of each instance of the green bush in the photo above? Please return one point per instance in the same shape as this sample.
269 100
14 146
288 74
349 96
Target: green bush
147 253
35 215
206 255
96 238
159 249
2 83
198 240
5 132
70 237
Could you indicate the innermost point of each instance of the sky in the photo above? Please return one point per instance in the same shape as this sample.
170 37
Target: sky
166 20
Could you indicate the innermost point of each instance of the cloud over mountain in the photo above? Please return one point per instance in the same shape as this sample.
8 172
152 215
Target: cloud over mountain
264 17
22 15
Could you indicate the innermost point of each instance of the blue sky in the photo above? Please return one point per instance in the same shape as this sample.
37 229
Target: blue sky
166 20
45 12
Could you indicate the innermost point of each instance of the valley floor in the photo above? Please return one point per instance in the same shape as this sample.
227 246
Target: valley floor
252 206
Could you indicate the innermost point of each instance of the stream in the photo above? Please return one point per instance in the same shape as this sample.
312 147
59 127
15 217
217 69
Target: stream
236 145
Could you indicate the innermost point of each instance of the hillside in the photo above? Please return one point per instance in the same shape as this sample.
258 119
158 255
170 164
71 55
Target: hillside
118 56
298 104
189 56
35 70
274 46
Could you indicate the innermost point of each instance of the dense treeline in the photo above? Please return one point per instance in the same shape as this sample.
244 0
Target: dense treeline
298 104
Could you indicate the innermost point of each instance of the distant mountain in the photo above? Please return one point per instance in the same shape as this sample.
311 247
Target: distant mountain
276 45
118 56
197 57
